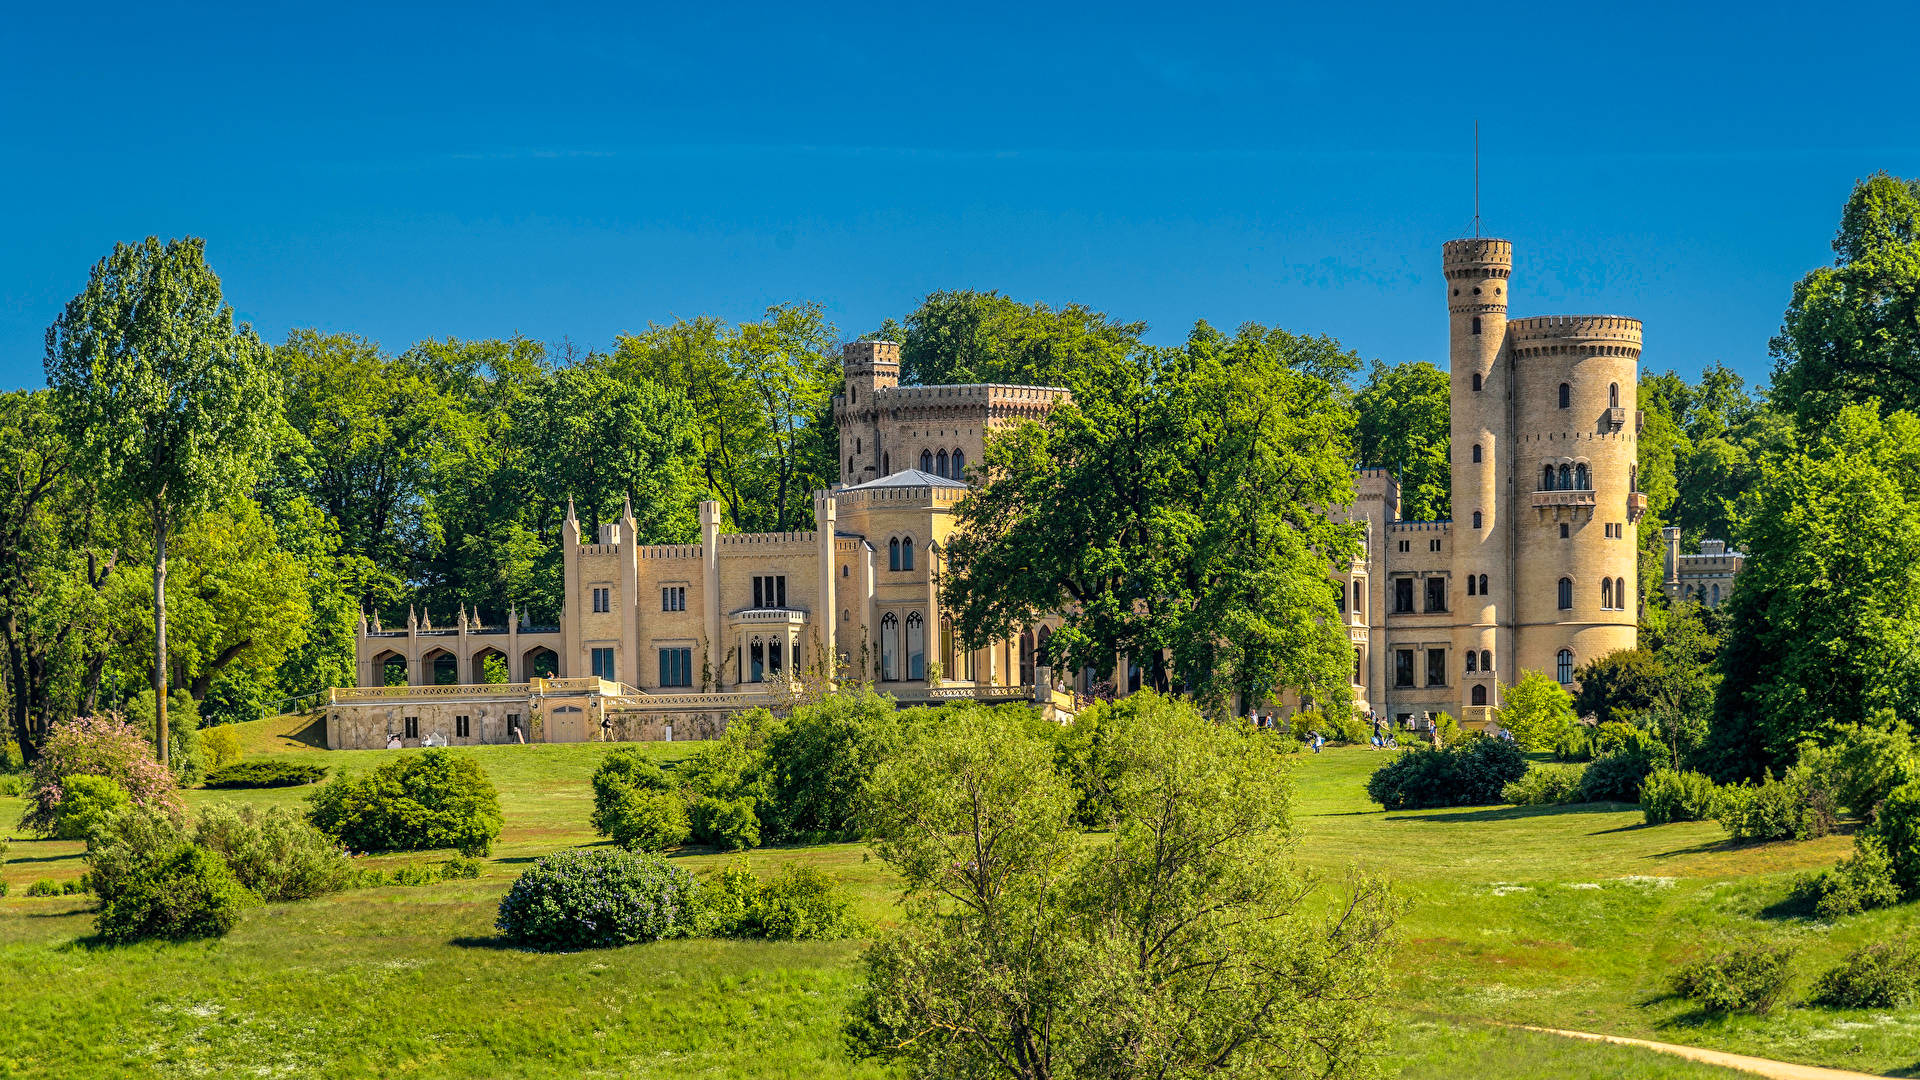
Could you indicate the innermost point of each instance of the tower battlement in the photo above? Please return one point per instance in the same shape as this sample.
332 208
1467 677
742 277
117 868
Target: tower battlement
1477 256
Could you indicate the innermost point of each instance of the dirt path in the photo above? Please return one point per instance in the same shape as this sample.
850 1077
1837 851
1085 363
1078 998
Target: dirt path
1778 1070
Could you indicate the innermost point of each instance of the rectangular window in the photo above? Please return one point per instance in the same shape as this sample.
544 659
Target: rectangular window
1436 594
1433 544
460 727
413 727
1406 546
770 591
676 667
673 598
602 600
1402 596
1403 667
1436 667
603 664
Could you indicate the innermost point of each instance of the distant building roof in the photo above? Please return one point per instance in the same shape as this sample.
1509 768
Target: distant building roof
909 478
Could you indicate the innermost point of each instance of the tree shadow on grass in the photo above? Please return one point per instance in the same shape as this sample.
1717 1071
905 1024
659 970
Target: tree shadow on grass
46 858
1511 813
492 941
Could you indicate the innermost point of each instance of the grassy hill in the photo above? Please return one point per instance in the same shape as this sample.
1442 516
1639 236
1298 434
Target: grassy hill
1569 917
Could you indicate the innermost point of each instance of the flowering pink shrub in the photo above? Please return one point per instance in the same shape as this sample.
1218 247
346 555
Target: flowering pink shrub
97 746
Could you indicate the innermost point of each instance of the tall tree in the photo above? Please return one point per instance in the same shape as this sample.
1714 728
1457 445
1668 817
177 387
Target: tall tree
1405 425
1186 946
1175 511
1852 331
167 400
967 336
1824 626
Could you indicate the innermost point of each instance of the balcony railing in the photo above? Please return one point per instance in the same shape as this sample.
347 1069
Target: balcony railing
1544 499
1636 505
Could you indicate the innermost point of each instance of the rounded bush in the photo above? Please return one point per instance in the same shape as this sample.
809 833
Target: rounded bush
1616 776
1473 772
579 899
87 804
1883 975
96 746
186 893
1752 979
1671 795
643 820
274 852
728 824
417 802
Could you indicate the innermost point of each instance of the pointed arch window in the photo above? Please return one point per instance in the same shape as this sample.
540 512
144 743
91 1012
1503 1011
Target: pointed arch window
1473 659
1606 593
1566 478
926 461
940 463
1546 478
1582 480
1480 694
1486 659
890 648
959 464
916 646
893 554
906 553
1620 593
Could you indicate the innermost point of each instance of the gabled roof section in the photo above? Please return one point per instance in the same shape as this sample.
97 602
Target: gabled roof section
909 478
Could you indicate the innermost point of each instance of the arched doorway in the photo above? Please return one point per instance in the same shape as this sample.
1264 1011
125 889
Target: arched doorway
1026 657
490 666
389 669
541 662
1480 695
441 667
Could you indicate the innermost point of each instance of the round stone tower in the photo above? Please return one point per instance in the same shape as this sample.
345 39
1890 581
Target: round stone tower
1574 466
1477 274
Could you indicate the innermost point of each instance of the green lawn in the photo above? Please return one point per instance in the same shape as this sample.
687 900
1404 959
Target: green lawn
1569 918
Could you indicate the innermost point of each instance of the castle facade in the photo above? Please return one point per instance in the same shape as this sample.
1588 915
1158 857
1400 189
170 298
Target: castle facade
1535 571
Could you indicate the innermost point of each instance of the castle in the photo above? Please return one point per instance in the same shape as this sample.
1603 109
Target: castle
1536 571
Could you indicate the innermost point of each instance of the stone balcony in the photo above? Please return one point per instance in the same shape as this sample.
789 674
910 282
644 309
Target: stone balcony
1553 500
1636 505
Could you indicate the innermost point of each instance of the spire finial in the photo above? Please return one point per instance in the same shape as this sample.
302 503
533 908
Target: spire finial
1476 179
626 506
570 514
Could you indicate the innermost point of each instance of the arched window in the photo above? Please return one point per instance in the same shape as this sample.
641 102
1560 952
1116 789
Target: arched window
889 648
1486 659
886 464
1581 479
1566 596
1606 592
906 553
959 464
1566 396
940 463
1476 324
1476 451
916 646
1716 596
1483 584
1620 592
1473 661
1566 478
1480 693
1470 591
1613 395
926 461
1476 519
757 666
1546 478
893 554
1563 665
1633 478
1476 381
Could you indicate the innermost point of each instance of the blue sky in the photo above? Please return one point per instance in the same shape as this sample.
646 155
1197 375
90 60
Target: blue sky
480 169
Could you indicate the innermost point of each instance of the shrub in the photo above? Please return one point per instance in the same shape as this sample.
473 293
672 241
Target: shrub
619 812
274 852
801 904
1882 975
88 803
1861 882
13 785
221 745
579 899
96 746
728 824
462 867
1866 763
44 887
128 845
1671 795
646 820
1788 807
820 760
797 904
188 892
1576 745
1545 785
1616 776
1896 826
1472 772
265 773
416 802
1752 979
1536 710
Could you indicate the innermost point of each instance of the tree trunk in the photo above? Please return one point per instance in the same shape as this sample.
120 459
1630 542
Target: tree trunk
160 637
